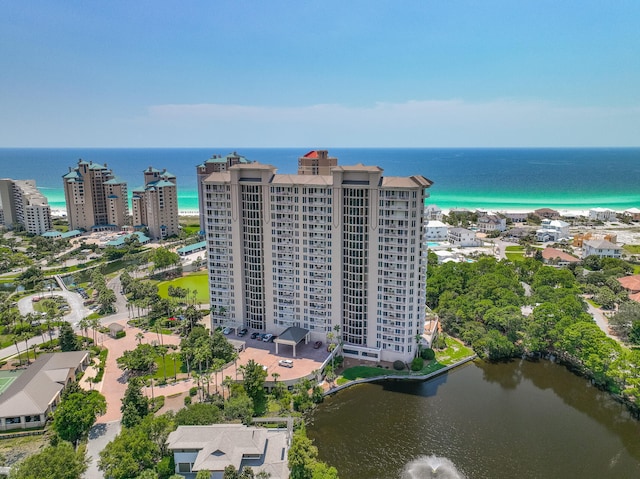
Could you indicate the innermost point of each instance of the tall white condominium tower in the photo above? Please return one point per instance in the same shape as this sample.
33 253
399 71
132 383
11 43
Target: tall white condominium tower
319 251
23 205
96 198
215 164
155 205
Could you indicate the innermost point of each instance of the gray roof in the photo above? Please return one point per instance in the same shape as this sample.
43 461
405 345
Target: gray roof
221 445
32 392
293 334
602 244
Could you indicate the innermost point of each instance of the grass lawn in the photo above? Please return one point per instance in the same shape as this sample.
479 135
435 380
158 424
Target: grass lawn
514 253
198 281
454 352
632 248
159 373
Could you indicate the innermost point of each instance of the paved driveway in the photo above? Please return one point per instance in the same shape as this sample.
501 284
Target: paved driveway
99 436
78 311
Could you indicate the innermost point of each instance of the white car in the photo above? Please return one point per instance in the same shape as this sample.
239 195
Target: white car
226 331
267 337
287 363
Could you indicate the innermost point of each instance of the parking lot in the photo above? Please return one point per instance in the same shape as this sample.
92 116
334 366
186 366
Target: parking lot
307 358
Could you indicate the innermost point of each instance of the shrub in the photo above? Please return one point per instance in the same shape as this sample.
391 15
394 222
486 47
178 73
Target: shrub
428 354
193 391
120 334
187 400
417 364
398 365
157 403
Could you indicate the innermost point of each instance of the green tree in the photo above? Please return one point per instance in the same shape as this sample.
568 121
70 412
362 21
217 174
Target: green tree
163 258
303 459
77 412
253 383
130 453
68 339
230 472
198 414
140 360
53 462
203 474
135 406
622 322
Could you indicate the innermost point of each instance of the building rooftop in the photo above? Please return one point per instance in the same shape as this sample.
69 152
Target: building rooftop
34 389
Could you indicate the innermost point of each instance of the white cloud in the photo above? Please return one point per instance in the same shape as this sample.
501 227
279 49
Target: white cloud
503 122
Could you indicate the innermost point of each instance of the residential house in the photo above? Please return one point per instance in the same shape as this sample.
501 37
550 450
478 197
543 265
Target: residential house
632 213
553 230
602 214
463 237
432 213
214 447
631 284
491 222
517 217
547 213
601 248
557 257
436 231
34 395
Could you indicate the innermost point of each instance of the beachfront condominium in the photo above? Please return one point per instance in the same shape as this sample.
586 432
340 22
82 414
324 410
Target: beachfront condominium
24 206
338 253
155 205
215 164
316 162
96 199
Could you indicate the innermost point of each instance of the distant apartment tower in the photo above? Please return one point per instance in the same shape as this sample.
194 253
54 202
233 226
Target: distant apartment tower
155 205
215 164
319 251
96 198
316 162
23 204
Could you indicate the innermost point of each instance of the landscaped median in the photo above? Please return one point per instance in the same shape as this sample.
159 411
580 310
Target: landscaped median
453 355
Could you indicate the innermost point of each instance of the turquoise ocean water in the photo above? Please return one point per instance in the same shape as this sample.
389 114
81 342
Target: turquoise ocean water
491 178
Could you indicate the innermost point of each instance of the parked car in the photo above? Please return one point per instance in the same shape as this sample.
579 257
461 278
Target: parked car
286 363
317 345
267 337
226 330
243 332
255 335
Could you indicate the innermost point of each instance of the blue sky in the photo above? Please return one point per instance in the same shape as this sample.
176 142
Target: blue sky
319 74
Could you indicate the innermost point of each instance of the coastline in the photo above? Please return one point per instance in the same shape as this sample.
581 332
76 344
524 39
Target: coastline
570 213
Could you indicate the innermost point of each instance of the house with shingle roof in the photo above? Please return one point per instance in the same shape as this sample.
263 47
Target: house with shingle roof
212 448
631 284
601 248
558 257
33 395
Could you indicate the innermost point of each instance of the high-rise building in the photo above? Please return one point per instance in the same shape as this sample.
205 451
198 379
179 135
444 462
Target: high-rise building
155 205
96 198
316 162
340 253
23 204
215 164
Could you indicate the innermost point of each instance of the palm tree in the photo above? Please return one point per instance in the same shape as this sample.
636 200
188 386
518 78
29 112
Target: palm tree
95 325
84 325
15 341
25 336
174 356
139 337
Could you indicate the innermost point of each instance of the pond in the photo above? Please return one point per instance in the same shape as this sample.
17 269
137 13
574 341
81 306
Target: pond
481 421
